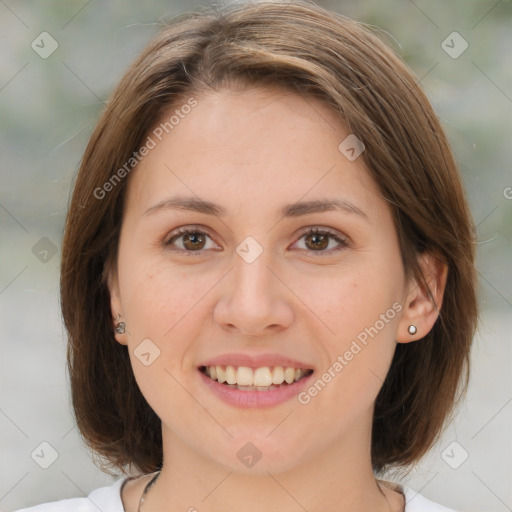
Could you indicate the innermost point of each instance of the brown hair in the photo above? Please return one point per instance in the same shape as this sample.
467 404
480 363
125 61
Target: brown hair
314 52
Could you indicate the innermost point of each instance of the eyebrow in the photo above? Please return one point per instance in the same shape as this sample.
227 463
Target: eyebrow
290 210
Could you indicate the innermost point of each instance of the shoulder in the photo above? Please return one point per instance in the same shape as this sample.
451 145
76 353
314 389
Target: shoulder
106 499
415 502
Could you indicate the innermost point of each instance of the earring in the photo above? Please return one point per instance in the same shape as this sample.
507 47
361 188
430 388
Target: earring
412 329
120 327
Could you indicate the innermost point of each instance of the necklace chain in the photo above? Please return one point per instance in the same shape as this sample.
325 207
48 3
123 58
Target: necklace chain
146 489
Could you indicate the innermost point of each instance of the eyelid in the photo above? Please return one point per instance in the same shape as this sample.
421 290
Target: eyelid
315 228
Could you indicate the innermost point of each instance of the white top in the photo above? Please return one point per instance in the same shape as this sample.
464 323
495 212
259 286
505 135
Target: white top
108 499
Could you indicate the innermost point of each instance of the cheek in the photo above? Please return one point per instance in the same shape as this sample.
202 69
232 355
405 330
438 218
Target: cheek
350 300
155 295
162 312
167 305
360 311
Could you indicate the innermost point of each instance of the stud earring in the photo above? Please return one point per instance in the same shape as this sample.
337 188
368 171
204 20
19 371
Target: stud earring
412 329
120 327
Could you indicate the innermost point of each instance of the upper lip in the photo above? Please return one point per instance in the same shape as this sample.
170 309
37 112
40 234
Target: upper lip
256 361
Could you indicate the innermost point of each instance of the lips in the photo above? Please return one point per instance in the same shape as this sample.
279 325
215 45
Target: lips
256 361
255 381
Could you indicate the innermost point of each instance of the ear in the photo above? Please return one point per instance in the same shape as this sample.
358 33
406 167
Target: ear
116 307
423 304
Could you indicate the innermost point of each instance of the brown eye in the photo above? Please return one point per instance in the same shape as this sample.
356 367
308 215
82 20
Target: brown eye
194 241
317 241
190 240
321 242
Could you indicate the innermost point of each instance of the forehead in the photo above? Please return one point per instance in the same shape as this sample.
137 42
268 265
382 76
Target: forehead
249 147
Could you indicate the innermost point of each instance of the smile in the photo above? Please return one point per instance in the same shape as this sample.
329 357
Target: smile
245 378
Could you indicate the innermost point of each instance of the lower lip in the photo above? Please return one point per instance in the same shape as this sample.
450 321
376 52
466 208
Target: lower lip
254 399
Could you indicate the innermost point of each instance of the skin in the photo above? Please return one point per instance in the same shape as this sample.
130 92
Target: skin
253 151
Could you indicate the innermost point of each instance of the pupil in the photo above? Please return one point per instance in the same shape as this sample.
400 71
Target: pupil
319 240
193 240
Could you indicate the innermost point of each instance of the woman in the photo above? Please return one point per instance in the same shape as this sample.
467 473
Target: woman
268 271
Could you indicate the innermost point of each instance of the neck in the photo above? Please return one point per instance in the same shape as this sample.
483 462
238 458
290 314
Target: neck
339 478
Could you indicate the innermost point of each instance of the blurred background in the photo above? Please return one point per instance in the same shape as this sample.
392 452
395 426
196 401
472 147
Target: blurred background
59 63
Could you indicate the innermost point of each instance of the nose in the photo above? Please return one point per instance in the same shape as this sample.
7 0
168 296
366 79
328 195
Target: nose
253 301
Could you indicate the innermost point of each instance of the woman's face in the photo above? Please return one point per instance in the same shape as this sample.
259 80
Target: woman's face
291 261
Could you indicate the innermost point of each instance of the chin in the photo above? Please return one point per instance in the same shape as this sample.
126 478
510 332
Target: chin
258 454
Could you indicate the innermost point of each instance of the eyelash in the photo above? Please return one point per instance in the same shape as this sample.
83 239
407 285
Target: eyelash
311 231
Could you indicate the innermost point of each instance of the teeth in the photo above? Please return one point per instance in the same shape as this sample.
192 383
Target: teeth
246 388
221 374
230 375
244 376
289 375
278 375
260 379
